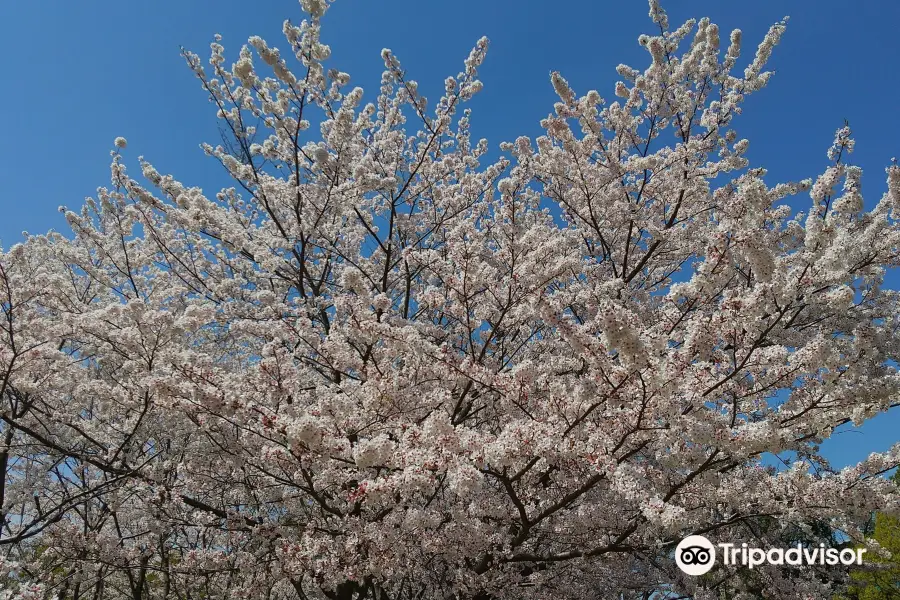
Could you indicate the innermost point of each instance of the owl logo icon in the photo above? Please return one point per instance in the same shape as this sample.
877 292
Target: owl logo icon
695 555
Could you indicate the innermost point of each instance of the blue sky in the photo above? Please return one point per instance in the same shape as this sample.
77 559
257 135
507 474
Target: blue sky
78 74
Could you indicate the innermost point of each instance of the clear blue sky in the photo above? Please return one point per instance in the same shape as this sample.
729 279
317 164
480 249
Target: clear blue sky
78 74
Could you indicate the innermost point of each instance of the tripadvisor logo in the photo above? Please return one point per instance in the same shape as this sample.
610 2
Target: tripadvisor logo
696 555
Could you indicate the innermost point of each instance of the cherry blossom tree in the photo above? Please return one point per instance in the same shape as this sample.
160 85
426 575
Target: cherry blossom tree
377 367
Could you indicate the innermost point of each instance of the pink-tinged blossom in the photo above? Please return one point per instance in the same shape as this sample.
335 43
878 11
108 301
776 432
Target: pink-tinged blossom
376 366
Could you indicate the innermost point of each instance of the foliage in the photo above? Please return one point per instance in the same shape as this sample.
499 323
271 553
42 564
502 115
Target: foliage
882 580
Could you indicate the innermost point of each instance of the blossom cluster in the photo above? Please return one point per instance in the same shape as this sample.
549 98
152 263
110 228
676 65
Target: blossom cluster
376 366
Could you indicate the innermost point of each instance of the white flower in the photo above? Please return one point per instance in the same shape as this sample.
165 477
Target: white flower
373 452
464 479
561 86
315 8
841 297
306 430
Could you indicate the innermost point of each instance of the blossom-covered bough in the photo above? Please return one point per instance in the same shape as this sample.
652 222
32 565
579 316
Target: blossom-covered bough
376 367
